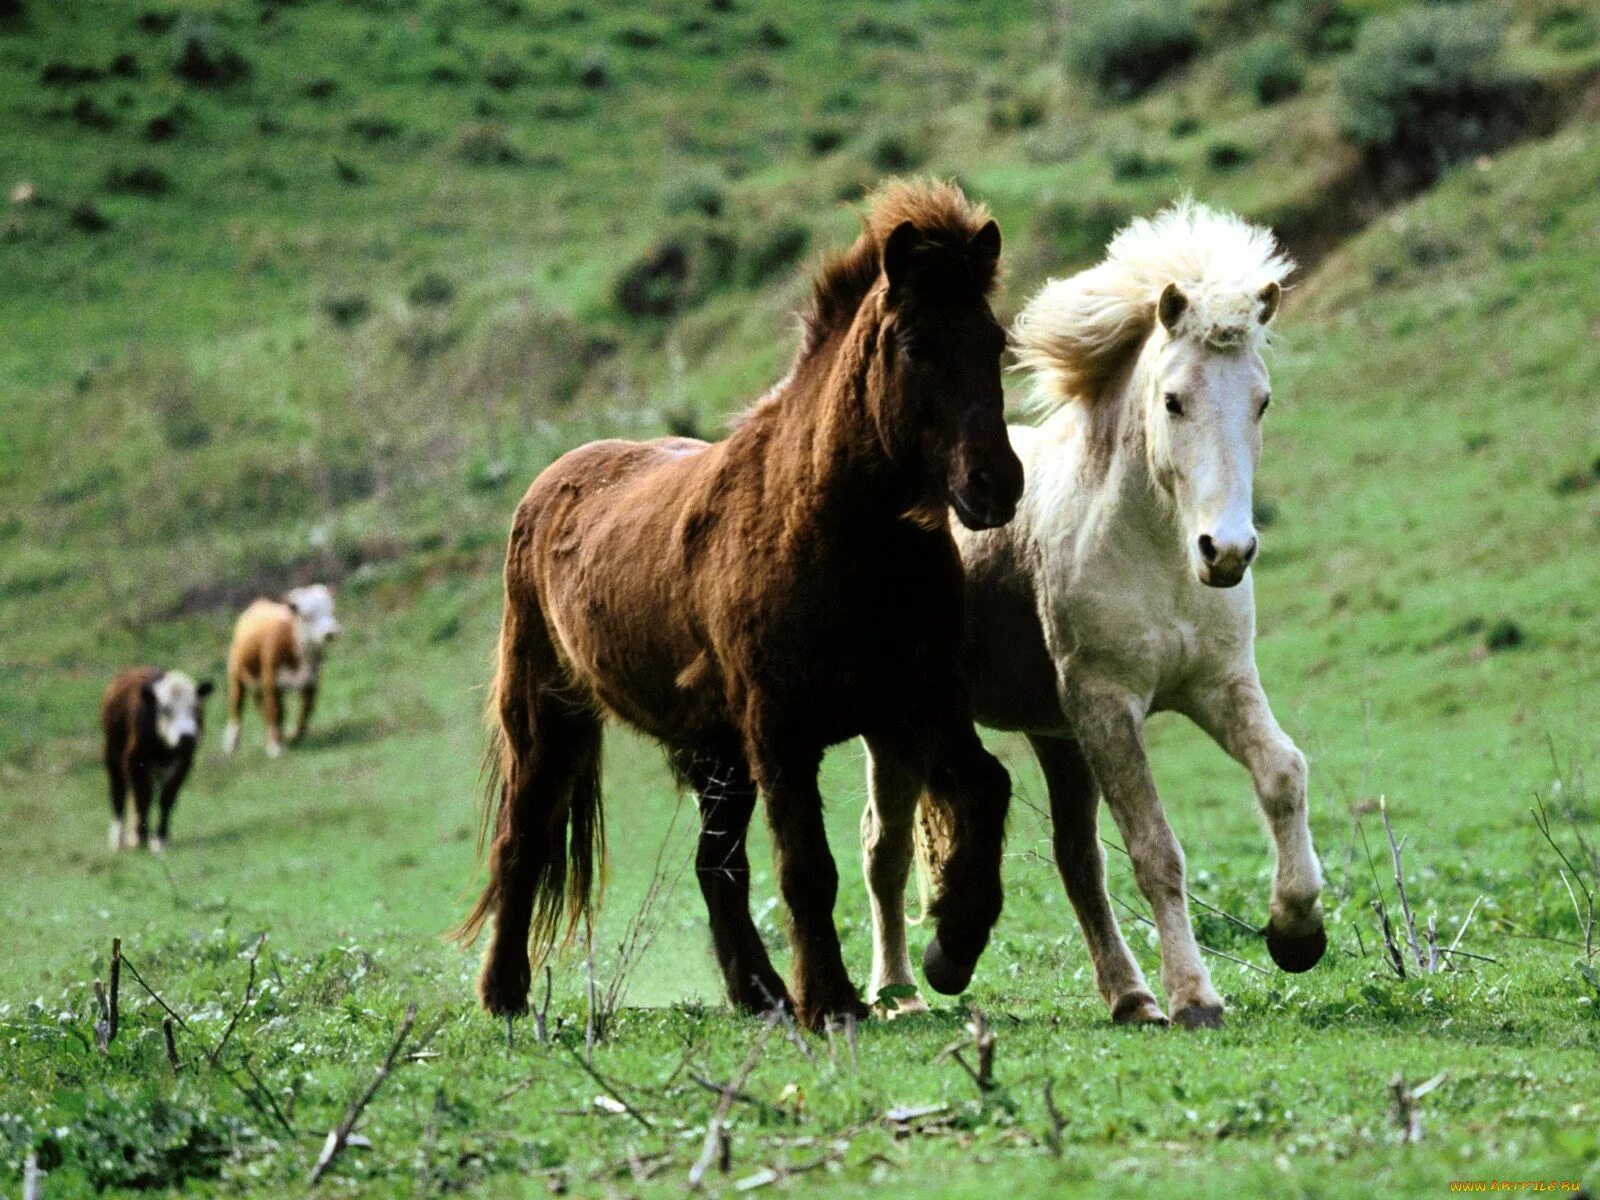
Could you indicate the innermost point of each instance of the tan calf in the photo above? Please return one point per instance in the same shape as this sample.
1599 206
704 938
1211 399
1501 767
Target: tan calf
278 647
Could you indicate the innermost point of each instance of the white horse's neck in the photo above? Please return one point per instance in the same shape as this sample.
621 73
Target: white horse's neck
1111 471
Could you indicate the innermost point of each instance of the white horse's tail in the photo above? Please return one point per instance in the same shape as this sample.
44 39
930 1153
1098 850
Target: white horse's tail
931 837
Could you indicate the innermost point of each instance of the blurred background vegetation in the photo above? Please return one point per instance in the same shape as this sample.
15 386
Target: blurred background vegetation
298 288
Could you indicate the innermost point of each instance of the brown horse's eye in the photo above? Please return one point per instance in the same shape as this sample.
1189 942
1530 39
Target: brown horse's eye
1174 405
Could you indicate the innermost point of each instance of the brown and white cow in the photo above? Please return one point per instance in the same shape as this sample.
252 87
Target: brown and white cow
152 721
278 647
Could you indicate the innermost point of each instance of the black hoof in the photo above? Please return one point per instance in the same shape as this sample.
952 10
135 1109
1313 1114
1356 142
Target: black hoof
943 972
1296 952
1138 1008
1199 1016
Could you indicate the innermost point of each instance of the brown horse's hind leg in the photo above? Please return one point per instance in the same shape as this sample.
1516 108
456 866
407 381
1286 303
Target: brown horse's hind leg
969 793
548 817
528 861
727 798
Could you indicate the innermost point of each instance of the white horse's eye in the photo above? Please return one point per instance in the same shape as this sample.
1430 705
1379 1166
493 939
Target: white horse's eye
1174 404
1262 411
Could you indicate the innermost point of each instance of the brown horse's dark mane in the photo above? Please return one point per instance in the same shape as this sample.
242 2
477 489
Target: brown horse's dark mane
947 221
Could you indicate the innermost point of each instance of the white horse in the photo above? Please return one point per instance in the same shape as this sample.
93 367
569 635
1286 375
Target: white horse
1121 589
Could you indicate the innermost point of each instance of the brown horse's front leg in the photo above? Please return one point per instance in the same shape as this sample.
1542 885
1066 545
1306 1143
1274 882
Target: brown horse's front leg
809 882
973 791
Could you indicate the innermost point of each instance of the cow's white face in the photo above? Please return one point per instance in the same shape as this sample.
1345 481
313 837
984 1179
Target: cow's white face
177 700
313 613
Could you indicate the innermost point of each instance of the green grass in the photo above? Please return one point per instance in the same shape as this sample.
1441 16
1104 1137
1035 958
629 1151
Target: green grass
182 418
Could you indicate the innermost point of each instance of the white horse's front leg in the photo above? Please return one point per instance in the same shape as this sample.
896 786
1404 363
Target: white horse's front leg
1238 716
887 845
1109 724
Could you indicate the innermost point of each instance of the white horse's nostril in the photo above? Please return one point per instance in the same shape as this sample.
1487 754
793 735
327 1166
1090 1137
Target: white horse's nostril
1208 548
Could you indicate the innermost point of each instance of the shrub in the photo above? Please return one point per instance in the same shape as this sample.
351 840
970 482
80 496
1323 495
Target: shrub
695 192
165 126
86 218
1567 26
676 273
1321 26
203 55
894 152
373 127
1125 50
1077 233
1270 71
141 179
1134 162
347 309
824 139
91 114
432 290
1425 87
1017 112
593 72
1226 156
502 72
774 249
486 145
639 37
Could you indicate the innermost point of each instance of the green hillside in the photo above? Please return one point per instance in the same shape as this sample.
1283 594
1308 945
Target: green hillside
311 290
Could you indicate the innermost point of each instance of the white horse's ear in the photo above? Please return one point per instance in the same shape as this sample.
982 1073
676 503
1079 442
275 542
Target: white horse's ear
1269 297
1171 307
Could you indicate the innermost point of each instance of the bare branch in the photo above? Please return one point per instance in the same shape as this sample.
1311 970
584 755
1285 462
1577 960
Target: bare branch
605 1085
172 1045
715 1145
249 992
1400 884
1058 1123
339 1137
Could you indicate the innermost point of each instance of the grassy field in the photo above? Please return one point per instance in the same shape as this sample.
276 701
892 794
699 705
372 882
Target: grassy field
380 287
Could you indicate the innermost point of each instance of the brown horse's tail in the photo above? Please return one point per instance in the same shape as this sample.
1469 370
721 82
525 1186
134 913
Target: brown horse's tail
542 815
935 840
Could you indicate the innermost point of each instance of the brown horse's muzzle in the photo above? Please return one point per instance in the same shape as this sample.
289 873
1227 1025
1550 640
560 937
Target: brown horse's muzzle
985 493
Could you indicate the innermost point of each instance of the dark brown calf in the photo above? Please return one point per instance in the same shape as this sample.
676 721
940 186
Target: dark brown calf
152 721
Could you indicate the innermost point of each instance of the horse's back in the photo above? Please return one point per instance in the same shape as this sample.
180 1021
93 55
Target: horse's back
595 547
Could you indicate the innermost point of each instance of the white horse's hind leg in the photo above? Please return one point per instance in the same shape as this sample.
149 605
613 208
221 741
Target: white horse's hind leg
1074 804
887 845
1238 716
1109 727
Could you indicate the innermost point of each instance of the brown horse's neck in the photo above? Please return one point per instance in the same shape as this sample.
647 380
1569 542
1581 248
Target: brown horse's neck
827 434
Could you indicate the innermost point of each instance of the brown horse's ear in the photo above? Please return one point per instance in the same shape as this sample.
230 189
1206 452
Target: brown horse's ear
1269 297
898 248
986 243
1171 307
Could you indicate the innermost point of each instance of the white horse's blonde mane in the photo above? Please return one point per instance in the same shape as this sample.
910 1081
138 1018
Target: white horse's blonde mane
1075 333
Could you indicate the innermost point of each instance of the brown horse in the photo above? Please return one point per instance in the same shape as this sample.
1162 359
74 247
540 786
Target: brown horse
751 602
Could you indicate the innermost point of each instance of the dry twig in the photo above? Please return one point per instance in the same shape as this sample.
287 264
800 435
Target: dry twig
339 1137
609 1089
716 1143
249 992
